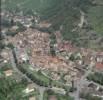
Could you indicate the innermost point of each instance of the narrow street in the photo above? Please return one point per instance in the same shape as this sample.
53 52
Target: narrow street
82 19
79 84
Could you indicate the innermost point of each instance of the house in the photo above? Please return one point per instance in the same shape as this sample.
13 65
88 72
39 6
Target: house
78 56
30 88
99 57
14 28
68 80
79 62
32 98
21 55
26 21
99 66
8 72
5 55
55 76
59 90
92 86
43 24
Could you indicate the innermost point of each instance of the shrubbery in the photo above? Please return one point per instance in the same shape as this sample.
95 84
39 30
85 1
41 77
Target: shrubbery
96 77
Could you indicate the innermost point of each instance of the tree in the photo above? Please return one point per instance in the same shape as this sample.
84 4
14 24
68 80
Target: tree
10 45
72 58
1 36
52 51
2 45
10 33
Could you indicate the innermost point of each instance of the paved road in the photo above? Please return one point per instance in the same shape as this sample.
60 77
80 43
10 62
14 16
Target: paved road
82 19
79 84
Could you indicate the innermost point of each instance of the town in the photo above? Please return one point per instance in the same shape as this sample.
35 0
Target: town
44 65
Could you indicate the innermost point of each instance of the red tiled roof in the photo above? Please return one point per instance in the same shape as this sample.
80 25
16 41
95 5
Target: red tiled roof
99 66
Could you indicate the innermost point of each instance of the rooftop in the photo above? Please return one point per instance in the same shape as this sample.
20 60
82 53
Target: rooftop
8 72
99 66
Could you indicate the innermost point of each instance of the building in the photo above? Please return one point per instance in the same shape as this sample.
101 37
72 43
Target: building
30 88
5 55
8 72
21 55
32 98
99 57
14 28
44 24
99 66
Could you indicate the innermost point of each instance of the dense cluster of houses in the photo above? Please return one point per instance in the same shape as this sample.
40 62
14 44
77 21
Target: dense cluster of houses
24 20
34 46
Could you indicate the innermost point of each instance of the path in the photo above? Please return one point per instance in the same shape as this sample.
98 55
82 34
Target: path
79 84
82 19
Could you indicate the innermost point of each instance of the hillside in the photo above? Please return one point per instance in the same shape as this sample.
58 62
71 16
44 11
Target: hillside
25 5
80 21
